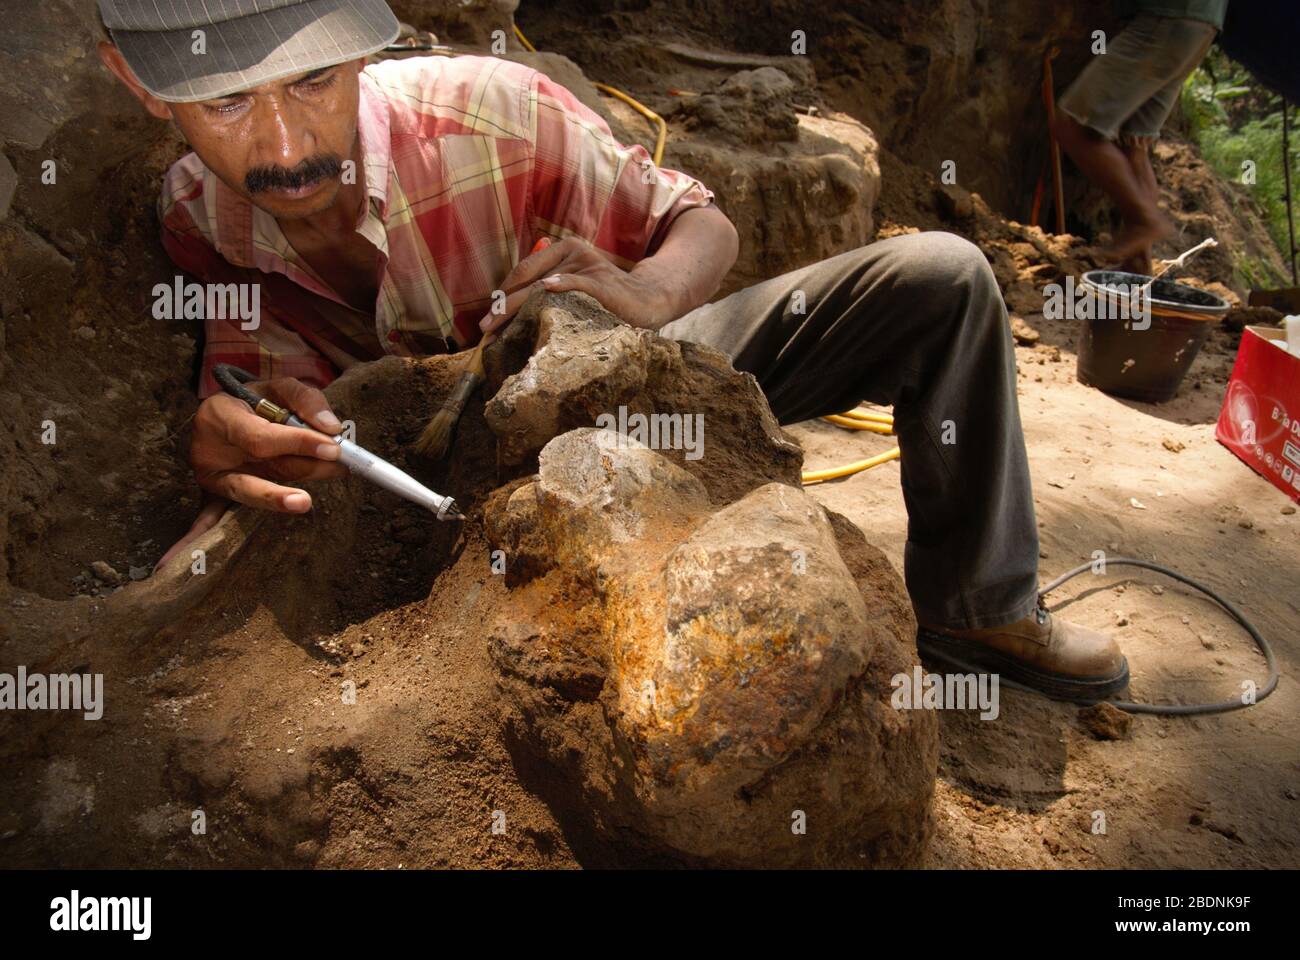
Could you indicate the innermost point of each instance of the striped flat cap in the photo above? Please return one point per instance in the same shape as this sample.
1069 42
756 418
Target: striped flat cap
187 50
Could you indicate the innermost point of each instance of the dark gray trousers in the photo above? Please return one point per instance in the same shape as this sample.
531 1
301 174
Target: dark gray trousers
916 321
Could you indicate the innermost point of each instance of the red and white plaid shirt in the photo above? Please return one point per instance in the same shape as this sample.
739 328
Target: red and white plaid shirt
468 162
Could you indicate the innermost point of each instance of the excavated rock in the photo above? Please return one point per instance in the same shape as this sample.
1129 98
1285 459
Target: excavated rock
470 22
794 200
751 106
701 664
578 362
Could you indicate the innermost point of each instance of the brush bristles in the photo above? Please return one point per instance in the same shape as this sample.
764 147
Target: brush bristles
435 439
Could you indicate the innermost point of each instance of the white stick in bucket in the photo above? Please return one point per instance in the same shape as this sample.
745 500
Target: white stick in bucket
1178 261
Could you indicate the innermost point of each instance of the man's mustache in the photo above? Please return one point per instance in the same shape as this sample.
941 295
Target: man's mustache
310 171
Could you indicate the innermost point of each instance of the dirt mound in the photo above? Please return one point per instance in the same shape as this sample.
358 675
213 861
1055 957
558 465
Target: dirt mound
319 689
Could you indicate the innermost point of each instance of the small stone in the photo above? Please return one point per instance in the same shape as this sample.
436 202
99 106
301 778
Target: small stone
1106 722
1121 620
1288 509
138 573
104 573
1173 446
1136 504
955 204
86 333
1022 331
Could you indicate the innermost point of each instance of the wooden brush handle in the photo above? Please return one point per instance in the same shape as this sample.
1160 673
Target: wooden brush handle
467 383
474 362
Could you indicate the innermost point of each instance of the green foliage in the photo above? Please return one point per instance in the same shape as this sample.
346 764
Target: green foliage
1237 124
1254 273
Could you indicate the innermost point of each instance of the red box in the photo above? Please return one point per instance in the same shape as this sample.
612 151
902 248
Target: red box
1260 419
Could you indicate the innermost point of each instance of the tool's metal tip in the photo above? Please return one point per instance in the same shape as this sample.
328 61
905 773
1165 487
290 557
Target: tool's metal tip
449 510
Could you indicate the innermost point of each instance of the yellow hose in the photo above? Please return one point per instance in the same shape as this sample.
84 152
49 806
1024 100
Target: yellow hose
661 126
849 423
661 137
856 420
869 415
834 473
524 40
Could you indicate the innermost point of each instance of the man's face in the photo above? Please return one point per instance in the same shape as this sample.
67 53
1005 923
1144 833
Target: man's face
281 145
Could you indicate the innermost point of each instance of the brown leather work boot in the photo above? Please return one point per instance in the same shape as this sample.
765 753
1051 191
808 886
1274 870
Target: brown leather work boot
1061 659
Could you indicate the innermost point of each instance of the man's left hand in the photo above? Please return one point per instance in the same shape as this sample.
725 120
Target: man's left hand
573 264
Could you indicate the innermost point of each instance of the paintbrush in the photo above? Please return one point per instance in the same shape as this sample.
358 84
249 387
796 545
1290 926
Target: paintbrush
435 440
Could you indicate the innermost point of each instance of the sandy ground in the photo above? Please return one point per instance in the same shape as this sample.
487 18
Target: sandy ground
1221 791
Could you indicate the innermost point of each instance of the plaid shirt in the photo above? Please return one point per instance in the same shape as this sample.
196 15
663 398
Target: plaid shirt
468 162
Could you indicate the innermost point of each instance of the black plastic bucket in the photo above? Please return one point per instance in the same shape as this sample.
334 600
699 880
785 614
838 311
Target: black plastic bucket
1120 357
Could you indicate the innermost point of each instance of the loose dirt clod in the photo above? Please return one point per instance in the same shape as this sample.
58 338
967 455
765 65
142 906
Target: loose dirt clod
1105 722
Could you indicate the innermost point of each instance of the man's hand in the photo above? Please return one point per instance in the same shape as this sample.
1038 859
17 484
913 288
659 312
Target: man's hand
239 456
236 455
573 264
687 269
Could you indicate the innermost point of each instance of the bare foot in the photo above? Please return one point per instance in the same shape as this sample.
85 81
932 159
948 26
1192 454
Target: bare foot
1139 263
1138 235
